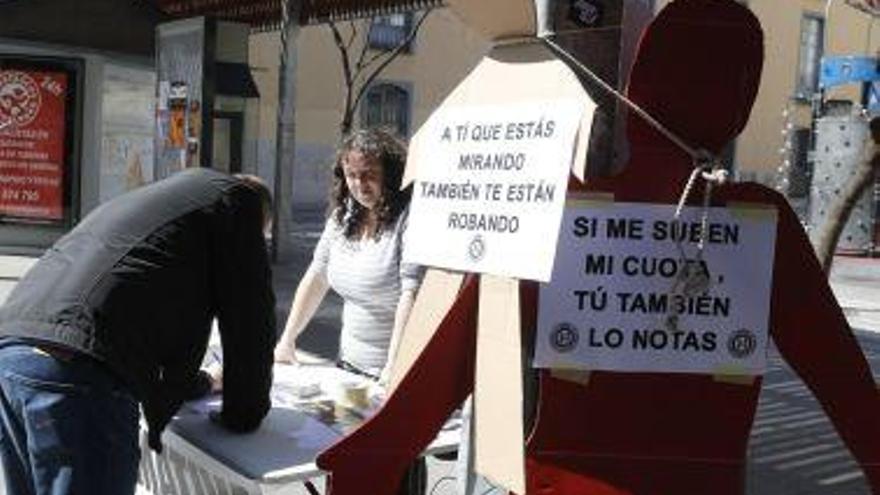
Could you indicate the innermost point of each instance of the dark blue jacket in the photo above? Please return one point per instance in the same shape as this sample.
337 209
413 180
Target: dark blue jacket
137 283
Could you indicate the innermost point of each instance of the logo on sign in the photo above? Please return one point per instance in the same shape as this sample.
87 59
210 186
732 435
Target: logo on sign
19 99
476 248
742 343
585 13
564 337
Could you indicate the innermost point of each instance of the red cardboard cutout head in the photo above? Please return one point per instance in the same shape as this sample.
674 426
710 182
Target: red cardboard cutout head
682 84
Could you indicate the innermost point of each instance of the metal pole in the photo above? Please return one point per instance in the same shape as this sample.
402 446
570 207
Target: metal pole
544 10
817 107
285 139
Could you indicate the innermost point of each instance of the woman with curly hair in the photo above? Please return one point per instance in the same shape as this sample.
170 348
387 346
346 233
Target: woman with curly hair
359 257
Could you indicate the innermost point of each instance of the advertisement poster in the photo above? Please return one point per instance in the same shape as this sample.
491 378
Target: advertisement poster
33 116
633 292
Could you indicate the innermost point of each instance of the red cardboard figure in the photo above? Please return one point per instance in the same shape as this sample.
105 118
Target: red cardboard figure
697 72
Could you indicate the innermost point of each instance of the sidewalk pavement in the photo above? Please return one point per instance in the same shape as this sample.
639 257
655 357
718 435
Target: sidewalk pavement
12 268
856 284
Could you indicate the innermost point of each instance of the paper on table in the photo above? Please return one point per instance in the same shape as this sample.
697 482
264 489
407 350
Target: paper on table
314 391
290 394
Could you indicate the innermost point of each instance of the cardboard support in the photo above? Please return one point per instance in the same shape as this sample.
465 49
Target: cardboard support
498 391
436 296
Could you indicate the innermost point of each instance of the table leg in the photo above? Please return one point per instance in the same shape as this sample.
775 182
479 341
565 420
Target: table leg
311 488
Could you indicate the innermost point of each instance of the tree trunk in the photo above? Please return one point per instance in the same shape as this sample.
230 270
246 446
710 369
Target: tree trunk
855 187
285 139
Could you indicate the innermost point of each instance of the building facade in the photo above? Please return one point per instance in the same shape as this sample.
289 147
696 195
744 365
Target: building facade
76 112
402 96
797 34
116 127
796 37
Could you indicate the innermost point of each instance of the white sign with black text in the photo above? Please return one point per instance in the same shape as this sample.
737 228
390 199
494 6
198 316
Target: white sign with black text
490 188
631 290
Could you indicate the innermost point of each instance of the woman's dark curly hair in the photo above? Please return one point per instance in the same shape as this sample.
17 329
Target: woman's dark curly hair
391 154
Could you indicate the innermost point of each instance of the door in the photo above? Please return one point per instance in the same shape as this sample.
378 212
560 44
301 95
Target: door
228 139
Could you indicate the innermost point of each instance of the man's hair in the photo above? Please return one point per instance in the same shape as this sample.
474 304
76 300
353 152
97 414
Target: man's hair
259 186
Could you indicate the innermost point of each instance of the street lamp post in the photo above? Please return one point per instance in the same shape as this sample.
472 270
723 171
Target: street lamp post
285 138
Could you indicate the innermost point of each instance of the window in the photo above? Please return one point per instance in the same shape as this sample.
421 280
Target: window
809 55
389 31
388 106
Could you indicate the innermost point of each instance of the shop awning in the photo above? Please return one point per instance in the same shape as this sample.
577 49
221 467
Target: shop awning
267 13
870 7
233 79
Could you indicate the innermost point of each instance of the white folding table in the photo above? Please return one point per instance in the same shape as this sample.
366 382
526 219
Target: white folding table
200 457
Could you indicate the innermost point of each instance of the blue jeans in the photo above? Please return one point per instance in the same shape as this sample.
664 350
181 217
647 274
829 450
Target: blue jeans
67 426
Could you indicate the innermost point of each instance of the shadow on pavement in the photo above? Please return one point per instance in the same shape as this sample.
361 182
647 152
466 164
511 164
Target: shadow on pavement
321 336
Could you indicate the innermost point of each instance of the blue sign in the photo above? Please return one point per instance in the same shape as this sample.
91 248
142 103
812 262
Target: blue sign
837 71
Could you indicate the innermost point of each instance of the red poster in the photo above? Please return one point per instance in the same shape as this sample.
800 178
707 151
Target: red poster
32 133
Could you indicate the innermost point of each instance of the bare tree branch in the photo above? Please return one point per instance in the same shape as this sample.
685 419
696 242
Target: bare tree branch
346 74
365 47
343 51
355 70
390 57
354 31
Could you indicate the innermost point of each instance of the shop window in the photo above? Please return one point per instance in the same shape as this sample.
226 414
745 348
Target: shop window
387 106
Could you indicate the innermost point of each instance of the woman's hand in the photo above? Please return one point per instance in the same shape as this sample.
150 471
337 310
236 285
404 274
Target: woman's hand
215 372
385 377
309 294
285 353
